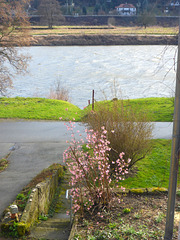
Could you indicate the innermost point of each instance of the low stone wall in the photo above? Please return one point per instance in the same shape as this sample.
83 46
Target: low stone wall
40 199
38 204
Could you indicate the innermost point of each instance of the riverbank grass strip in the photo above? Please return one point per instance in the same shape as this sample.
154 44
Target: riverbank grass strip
156 109
38 108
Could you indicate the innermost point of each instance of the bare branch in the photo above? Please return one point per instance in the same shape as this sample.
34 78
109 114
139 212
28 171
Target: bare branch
13 33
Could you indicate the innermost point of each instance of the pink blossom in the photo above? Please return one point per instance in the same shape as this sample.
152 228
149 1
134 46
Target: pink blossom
91 172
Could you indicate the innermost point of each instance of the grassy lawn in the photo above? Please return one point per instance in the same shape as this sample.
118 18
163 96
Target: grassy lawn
79 30
158 109
38 108
153 170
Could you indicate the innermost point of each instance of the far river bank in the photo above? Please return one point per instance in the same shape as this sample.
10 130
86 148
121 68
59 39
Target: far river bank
99 39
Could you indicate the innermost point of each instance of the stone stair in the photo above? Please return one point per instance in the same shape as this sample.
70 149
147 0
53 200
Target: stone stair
53 228
58 227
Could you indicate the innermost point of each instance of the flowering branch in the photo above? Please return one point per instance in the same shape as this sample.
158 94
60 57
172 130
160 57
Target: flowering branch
91 174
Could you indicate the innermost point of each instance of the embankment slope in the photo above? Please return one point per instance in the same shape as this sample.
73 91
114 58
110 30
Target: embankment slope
95 40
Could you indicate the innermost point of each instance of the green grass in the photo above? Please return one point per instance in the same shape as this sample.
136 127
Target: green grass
38 108
153 170
3 164
156 109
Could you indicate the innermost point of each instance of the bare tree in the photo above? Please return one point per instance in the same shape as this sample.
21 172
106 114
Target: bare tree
146 19
13 33
50 12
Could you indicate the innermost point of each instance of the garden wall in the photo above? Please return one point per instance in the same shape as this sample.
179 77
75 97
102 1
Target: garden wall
40 199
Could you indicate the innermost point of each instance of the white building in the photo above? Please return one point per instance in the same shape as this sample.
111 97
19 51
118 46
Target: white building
126 9
175 4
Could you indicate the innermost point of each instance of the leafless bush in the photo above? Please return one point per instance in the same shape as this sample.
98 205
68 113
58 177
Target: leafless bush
111 21
128 130
59 92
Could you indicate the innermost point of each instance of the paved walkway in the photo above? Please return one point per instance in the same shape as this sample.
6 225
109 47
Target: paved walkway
33 146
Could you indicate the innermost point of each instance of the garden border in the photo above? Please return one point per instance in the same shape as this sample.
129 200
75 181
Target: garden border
155 190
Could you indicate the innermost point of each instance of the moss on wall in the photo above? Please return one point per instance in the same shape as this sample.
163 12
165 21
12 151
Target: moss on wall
39 201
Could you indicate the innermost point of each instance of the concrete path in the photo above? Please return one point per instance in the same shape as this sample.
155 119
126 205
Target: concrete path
33 146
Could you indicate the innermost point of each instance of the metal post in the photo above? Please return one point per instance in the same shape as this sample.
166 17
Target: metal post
69 196
174 155
93 100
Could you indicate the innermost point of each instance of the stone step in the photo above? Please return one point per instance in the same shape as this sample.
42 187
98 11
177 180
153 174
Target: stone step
60 215
51 233
57 227
55 223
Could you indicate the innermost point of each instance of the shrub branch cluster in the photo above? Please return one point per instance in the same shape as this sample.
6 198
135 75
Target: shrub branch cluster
90 170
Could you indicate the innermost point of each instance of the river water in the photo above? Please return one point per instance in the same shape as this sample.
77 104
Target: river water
136 71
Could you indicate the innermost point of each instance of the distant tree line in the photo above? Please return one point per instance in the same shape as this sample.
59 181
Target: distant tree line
103 5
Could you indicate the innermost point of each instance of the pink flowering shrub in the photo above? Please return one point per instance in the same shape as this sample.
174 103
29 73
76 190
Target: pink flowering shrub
91 175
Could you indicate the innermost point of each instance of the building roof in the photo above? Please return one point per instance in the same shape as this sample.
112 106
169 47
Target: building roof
126 5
